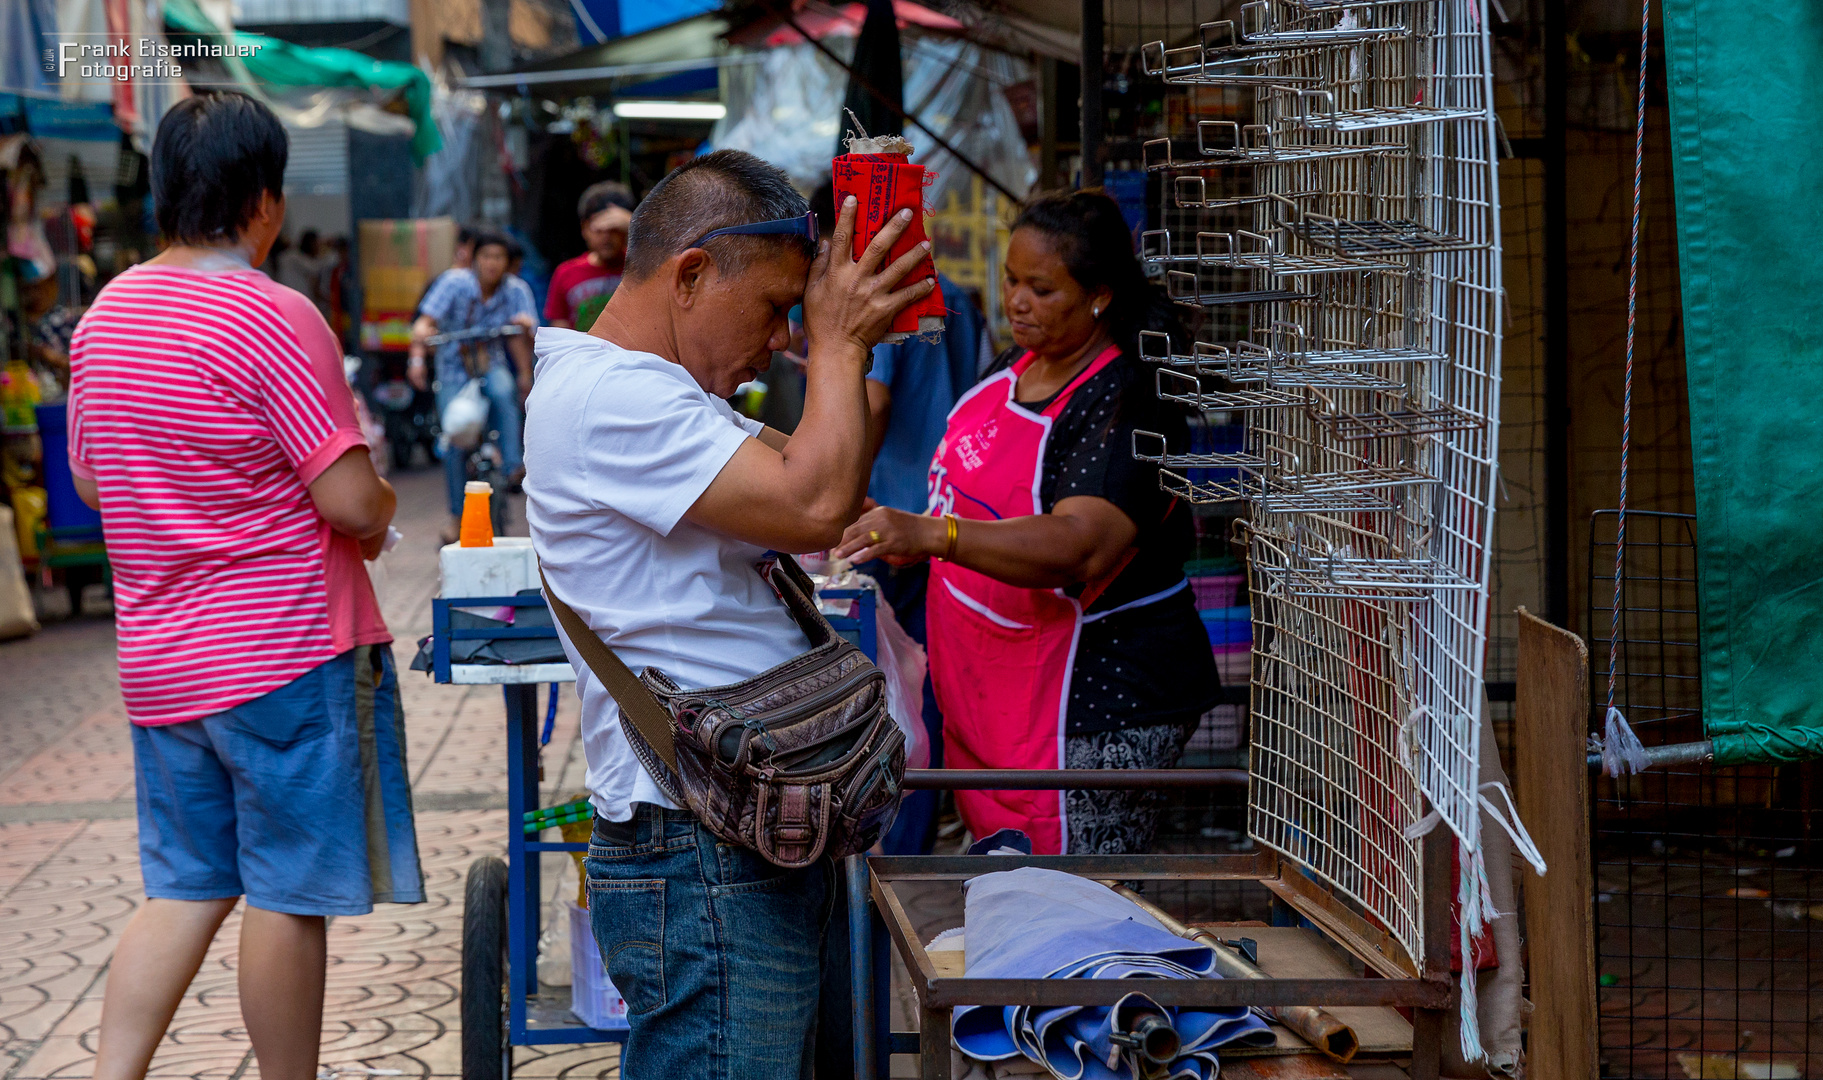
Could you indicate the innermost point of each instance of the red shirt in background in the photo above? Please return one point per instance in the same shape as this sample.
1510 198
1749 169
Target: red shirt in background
577 280
203 405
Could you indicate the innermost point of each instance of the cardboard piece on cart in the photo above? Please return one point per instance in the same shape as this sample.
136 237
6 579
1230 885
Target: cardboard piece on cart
399 258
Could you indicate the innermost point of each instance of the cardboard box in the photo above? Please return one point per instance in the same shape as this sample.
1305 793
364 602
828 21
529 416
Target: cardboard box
399 258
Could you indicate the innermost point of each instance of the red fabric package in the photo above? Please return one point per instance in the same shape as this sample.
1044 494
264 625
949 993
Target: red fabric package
883 184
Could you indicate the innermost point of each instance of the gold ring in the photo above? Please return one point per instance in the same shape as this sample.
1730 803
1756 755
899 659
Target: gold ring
873 536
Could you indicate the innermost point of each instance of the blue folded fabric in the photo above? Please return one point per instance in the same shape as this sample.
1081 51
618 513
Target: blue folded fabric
1032 923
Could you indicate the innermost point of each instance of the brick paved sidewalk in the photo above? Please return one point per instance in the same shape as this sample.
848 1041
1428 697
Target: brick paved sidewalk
69 874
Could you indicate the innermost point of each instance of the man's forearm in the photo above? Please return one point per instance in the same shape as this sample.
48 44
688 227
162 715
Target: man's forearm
827 456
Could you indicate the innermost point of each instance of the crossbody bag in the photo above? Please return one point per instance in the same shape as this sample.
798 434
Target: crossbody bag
799 761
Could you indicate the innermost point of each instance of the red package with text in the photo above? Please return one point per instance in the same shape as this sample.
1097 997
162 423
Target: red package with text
878 173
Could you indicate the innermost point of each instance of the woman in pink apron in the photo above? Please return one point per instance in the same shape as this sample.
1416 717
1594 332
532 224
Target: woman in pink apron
1062 632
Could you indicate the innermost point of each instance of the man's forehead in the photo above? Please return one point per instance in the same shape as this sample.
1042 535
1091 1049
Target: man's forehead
779 275
614 217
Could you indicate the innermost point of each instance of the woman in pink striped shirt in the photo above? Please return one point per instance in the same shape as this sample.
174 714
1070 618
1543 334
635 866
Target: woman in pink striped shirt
211 425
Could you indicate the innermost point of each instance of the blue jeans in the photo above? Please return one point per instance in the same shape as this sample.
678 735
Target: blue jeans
502 389
718 953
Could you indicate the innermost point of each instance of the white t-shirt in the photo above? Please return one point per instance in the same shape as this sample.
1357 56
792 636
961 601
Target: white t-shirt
618 445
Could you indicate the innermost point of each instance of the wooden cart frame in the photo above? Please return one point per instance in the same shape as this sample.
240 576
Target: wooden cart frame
878 915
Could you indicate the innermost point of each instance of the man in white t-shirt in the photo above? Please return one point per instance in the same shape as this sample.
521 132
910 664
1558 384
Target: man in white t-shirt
649 502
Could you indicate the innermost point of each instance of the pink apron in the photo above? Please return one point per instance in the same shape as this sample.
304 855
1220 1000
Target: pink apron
1001 655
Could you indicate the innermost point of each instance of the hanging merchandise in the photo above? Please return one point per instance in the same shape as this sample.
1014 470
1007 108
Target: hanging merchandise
1363 352
1742 125
26 241
787 109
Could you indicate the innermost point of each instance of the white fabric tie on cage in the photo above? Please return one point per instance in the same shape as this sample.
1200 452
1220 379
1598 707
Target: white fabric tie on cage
1620 749
1473 892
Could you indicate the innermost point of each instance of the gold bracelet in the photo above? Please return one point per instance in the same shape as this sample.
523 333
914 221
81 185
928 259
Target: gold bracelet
949 529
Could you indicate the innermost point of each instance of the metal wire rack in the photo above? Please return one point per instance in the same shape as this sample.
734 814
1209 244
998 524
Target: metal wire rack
1364 360
1408 422
1278 22
1249 144
1246 250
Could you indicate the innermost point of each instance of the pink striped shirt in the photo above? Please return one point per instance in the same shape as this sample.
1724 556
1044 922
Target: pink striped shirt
203 405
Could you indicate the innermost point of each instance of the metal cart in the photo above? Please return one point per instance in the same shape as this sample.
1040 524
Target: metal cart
878 921
502 1006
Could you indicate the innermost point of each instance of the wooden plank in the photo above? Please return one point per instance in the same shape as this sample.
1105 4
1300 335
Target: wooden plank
1550 733
1296 1067
1375 947
1293 952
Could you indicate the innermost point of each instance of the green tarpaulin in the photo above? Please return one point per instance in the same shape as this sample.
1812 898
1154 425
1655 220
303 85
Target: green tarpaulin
1747 139
280 63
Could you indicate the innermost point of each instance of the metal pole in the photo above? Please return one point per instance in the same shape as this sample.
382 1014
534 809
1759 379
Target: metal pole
1061 779
1092 64
1556 318
1690 753
861 967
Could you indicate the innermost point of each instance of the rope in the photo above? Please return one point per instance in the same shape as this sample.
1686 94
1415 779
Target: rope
1626 407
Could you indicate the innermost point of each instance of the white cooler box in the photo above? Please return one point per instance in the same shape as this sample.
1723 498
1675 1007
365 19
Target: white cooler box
592 995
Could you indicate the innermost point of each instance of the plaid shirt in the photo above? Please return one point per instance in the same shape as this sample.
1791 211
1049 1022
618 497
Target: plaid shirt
455 301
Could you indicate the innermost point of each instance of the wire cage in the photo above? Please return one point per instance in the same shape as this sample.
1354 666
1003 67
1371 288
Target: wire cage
1338 250
1709 944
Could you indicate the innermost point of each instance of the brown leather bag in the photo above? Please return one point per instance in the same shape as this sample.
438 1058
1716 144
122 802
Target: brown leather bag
800 761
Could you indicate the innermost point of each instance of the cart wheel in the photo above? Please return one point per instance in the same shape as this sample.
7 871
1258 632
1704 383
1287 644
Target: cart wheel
486 1053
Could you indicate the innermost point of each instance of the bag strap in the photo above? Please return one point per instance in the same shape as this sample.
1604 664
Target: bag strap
637 703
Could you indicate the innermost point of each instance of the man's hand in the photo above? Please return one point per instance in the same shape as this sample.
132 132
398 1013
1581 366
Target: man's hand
850 303
417 369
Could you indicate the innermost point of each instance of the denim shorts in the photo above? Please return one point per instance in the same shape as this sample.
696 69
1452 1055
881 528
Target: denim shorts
298 799
718 953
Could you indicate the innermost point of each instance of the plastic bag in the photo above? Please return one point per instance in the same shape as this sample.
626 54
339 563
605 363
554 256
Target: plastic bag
903 661
465 417
16 618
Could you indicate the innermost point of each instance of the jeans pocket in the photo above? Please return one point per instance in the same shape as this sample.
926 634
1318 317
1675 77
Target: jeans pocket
628 920
299 711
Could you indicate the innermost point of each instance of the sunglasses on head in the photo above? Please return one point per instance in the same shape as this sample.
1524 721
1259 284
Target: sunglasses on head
805 226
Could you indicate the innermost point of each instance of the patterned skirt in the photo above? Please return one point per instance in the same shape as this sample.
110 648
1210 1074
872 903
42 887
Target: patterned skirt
1120 822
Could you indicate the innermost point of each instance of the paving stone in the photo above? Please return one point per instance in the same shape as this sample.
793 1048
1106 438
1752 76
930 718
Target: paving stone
69 885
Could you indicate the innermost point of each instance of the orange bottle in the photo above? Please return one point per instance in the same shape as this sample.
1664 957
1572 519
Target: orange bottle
477 522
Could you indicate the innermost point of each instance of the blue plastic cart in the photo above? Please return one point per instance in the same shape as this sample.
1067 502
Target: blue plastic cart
502 1005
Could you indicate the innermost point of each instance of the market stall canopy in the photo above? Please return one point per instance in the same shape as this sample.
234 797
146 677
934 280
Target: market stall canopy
821 20
280 64
694 44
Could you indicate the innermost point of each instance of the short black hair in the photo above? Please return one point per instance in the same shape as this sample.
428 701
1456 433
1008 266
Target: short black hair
727 187
598 197
489 238
465 234
213 156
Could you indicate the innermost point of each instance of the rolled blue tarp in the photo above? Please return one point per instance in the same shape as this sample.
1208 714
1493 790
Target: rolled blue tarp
1032 923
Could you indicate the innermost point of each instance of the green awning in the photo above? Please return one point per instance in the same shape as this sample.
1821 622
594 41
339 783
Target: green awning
280 63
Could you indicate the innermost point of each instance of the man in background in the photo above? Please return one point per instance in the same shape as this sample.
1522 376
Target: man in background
482 296
301 268
580 287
